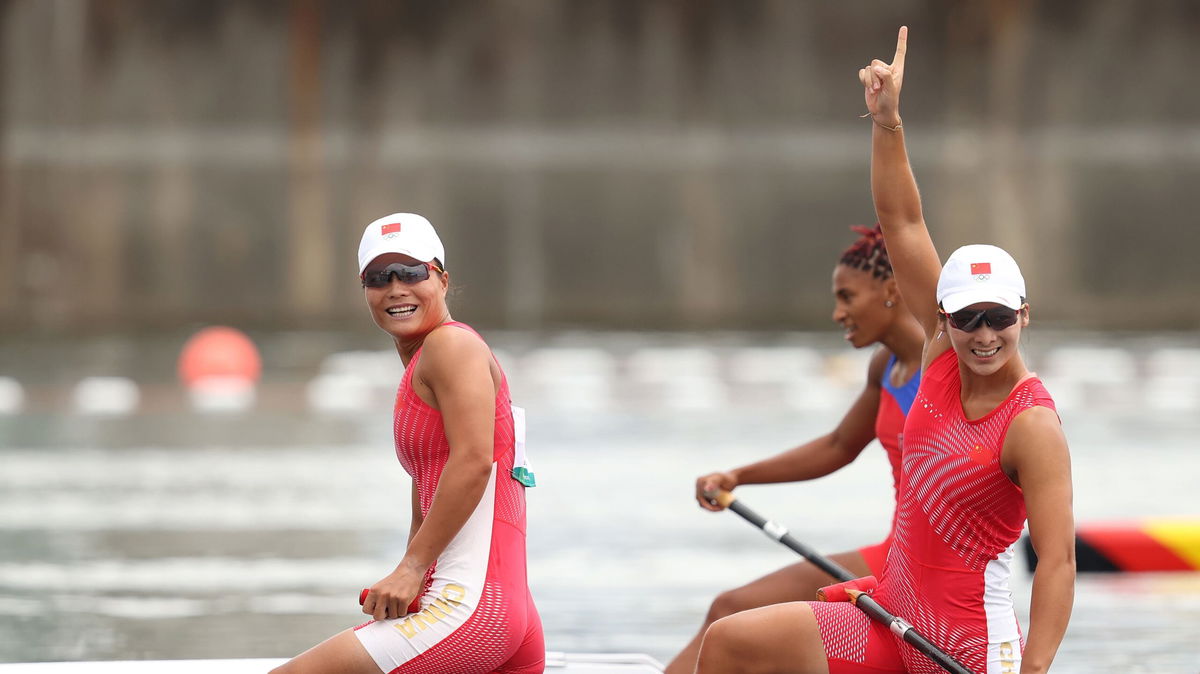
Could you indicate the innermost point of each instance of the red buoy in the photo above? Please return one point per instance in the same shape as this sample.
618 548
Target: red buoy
221 352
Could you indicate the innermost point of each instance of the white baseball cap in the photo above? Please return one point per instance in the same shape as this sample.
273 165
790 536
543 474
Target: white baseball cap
405 233
980 273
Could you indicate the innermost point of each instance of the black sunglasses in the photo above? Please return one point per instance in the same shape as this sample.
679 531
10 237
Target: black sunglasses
998 318
405 273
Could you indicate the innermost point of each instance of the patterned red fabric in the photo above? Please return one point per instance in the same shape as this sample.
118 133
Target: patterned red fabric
957 520
497 628
422 447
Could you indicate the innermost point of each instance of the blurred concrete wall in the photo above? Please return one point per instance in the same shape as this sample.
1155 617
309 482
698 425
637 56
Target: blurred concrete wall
602 163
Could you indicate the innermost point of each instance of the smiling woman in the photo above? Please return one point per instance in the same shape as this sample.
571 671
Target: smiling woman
459 599
401 301
983 451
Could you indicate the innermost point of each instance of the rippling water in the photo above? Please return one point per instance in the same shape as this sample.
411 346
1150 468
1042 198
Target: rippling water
241 549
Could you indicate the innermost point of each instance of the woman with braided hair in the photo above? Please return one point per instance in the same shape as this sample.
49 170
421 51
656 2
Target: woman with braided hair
868 306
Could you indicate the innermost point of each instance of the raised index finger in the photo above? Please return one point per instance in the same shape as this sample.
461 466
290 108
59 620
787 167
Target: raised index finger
901 48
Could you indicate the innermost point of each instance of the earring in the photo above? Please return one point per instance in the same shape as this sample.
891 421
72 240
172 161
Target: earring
889 304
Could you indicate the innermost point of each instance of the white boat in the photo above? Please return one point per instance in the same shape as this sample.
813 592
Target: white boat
556 662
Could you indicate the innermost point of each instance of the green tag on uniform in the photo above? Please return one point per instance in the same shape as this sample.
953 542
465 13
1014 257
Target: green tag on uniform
522 472
524 476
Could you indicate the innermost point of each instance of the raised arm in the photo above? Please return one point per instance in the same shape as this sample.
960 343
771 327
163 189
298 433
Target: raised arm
894 189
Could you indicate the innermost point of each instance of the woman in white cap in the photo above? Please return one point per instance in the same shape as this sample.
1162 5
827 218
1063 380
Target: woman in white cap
459 599
983 452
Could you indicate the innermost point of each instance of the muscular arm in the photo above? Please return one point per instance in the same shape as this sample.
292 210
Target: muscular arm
815 458
1035 456
894 190
898 207
456 367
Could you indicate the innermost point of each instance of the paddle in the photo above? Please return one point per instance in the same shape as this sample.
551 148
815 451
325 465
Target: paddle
898 626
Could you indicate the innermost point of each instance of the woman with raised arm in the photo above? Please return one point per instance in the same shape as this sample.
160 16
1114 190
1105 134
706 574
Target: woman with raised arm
983 452
459 599
868 306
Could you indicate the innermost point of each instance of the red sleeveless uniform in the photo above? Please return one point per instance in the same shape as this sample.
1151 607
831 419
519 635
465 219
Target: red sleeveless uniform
476 613
957 521
894 404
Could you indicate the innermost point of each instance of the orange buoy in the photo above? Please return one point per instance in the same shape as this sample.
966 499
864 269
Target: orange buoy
219 352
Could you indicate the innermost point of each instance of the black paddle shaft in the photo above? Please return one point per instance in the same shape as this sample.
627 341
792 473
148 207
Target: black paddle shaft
864 601
839 572
907 632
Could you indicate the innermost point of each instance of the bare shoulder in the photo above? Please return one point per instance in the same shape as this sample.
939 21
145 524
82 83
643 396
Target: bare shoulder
1035 422
451 347
452 336
1035 438
878 366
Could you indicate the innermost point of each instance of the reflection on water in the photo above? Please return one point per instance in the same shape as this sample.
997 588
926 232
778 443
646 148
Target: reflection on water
250 536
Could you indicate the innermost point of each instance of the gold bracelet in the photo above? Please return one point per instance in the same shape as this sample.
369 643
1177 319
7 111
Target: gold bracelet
898 126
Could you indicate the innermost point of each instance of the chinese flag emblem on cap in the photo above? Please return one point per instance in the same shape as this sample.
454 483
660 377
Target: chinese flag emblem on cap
976 267
394 227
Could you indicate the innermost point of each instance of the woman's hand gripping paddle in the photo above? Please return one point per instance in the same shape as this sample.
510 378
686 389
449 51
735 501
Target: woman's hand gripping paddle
855 590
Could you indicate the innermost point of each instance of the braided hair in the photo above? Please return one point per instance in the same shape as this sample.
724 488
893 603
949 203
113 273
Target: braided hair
868 253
